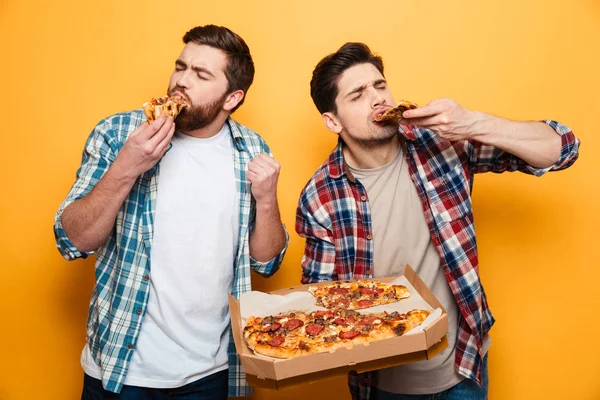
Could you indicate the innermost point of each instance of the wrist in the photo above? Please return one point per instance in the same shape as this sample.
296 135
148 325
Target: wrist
122 173
486 127
266 204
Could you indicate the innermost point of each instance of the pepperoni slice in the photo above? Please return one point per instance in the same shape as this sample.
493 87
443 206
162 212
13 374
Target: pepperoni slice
348 335
276 341
367 291
367 320
314 329
272 327
293 324
321 314
338 291
340 321
342 301
365 303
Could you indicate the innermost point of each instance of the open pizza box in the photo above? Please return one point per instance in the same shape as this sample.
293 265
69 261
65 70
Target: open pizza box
263 371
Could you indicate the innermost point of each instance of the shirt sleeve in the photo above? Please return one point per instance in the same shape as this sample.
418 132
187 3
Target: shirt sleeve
486 158
96 159
268 268
318 261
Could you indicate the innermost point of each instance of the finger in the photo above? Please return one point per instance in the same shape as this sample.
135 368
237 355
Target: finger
269 160
425 111
164 144
266 162
154 127
139 129
256 168
162 133
251 176
427 122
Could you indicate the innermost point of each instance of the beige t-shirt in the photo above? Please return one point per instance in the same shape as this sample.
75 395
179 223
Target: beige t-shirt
401 237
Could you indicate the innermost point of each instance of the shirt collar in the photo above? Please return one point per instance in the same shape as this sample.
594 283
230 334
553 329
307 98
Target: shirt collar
337 165
237 134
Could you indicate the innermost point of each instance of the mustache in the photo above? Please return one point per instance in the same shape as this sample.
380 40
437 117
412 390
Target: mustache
180 91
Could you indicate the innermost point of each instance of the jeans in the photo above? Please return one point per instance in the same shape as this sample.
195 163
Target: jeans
212 387
465 390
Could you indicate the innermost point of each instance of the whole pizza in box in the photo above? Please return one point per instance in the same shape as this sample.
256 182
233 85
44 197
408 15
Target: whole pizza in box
296 333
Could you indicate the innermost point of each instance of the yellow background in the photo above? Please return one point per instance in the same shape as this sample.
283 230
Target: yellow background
67 64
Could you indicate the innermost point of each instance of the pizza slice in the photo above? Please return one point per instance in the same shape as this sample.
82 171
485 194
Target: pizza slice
299 333
395 113
166 105
356 295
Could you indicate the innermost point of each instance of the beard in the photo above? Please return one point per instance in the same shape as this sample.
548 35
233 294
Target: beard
192 118
377 136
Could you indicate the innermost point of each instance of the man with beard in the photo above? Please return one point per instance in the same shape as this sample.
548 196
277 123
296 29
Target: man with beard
400 193
179 213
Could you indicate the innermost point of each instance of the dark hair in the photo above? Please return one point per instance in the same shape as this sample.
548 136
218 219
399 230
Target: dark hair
324 82
240 67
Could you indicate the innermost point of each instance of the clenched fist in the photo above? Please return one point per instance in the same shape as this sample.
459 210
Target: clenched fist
263 172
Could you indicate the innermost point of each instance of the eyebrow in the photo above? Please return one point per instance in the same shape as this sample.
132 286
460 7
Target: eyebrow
182 64
363 87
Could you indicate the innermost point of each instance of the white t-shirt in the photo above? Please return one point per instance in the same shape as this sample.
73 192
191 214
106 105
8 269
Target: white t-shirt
184 335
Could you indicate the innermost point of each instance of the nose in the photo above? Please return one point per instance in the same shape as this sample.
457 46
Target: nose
377 99
182 80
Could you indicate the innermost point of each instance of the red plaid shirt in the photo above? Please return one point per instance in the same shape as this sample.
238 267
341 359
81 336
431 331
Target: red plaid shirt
335 218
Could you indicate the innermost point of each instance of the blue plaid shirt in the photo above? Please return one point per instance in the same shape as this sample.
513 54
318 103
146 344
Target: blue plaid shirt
123 262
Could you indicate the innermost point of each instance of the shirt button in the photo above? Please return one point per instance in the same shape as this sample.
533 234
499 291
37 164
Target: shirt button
146 277
368 272
369 237
130 346
139 310
363 198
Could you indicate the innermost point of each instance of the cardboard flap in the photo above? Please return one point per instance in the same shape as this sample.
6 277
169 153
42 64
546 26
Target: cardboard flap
420 286
236 325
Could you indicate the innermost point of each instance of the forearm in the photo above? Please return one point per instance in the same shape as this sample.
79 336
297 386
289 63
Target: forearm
267 239
89 220
534 142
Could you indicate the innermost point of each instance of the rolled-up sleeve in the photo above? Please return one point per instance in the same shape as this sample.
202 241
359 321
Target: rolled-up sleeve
318 261
96 159
487 158
268 268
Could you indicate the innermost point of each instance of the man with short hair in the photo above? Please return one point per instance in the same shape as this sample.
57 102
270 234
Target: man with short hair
179 212
399 192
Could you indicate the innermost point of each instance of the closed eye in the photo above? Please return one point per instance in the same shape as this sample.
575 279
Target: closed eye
180 65
380 84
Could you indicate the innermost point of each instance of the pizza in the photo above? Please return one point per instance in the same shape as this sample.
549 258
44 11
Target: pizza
166 105
395 113
298 333
356 295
